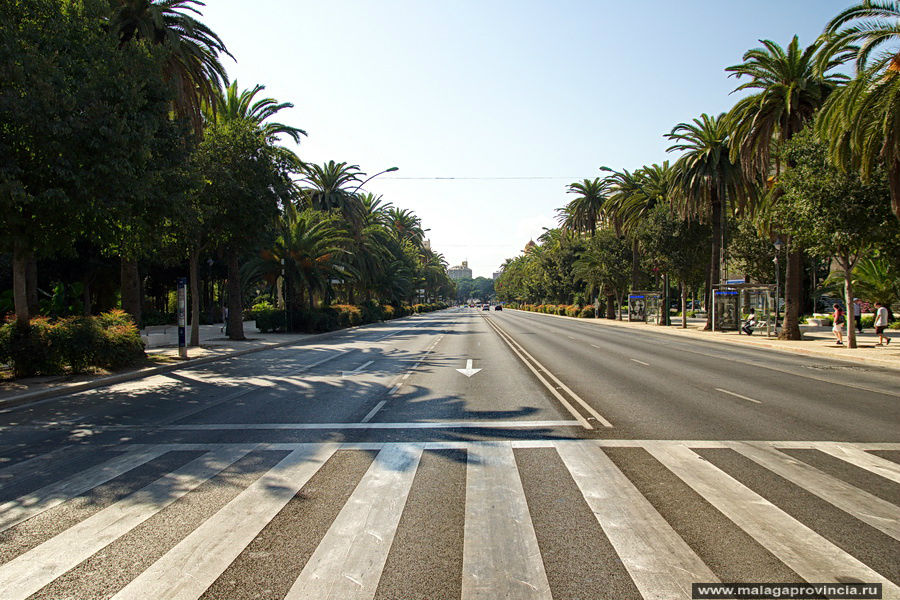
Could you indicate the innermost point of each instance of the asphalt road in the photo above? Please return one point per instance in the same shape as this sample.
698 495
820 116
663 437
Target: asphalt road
460 454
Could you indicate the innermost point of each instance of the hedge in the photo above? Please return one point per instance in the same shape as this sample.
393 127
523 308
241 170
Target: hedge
337 316
74 344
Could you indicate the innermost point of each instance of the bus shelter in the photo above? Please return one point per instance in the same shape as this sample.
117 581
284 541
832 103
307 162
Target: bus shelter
643 306
733 302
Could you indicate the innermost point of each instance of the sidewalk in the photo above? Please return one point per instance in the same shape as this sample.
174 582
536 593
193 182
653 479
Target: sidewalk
817 341
162 356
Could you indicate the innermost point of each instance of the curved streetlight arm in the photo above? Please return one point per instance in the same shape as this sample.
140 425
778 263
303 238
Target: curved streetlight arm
391 170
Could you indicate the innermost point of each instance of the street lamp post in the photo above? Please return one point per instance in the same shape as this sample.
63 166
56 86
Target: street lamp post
391 170
778 244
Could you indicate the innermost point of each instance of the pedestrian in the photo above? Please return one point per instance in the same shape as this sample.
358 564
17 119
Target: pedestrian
839 321
751 322
857 314
224 318
881 323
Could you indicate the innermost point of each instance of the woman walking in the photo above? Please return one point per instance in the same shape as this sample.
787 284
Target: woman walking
839 320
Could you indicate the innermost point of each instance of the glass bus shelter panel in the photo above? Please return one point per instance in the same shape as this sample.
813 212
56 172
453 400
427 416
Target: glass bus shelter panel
637 307
760 300
727 310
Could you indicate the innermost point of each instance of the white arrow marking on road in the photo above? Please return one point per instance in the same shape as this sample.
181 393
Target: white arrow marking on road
468 371
356 370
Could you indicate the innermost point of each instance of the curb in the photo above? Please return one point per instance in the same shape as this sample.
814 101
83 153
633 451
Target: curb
878 362
74 388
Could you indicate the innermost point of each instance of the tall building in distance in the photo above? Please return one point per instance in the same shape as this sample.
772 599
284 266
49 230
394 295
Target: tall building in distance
460 272
497 274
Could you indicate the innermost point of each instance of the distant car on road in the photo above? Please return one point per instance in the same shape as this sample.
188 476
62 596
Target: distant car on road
498 307
486 307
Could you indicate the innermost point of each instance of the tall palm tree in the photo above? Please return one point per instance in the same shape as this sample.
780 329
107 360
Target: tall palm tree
191 62
406 225
332 186
861 121
586 210
792 84
235 103
872 24
705 180
225 108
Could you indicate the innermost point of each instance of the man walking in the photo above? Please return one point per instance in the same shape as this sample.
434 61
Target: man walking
881 323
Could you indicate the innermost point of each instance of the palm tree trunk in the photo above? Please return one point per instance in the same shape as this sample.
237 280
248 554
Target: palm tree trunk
894 180
793 281
131 289
20 287
715 255
635 265
193 265
610 306
235 310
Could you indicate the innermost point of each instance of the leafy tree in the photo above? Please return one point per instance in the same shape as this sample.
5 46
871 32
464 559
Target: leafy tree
605 266
675 246
832 213
66 171
244 182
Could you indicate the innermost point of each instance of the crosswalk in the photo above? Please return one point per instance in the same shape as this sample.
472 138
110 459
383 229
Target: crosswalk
453 519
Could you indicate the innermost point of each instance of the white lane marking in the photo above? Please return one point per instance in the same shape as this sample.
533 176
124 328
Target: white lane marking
659 561
501 557
469 371
568 406
866 507
810 555
323 361
357 370
595 346
29 572
737 395
349 560
204 554
556 379
394 389
640 362
570 337
29 505
413 425
870 462
372 412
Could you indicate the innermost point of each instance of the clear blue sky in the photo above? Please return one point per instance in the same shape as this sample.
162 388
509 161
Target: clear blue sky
496 89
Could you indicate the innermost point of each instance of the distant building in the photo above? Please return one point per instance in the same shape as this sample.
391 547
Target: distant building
460 272
497 274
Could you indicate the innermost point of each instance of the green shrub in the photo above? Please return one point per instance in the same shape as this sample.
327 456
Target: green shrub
348 315
268 318
894 325
154 317
868 322
388 312
370 312
573 310
45 347
587 312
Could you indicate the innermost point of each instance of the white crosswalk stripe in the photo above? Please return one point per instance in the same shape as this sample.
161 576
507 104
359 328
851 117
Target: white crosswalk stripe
501 553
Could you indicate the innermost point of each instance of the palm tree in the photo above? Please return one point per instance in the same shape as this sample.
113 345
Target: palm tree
584 212
370 244
313 246
191 66
191 62
705 179
861 121
406 226
328 187
872 24
792 85
225 108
